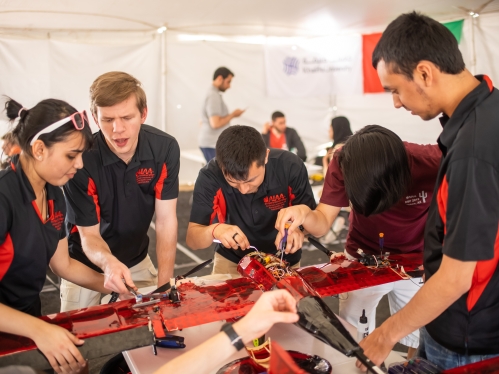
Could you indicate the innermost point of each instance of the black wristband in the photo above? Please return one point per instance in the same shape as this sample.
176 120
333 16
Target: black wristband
235 339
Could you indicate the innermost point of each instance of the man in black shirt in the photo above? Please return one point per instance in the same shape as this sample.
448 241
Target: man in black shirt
419 62
130 174
237 197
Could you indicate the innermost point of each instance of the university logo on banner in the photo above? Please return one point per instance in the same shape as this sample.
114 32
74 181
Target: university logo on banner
322 66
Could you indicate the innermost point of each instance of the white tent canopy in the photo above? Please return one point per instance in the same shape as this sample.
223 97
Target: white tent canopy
225 17
56 48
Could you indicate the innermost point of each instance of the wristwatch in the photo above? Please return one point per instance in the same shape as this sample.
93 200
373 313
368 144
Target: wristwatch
235 339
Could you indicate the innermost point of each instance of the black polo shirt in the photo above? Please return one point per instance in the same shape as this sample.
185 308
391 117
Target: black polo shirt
285 184
463 221
122 197
27 241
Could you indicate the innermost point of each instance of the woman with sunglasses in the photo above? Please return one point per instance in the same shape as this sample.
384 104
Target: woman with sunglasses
52 136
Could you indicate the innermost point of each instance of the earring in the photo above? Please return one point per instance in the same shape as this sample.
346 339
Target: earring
39 157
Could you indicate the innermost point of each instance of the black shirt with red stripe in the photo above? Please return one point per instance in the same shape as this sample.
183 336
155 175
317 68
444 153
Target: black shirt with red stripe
285 184
121 197
27 240
463 221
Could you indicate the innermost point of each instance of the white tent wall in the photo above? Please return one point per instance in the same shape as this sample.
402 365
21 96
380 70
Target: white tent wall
487 45
37 68
190 67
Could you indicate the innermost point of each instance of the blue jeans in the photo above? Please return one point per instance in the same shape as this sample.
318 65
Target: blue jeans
432 351
208 153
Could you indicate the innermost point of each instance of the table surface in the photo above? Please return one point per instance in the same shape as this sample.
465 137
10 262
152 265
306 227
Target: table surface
197 156
290 337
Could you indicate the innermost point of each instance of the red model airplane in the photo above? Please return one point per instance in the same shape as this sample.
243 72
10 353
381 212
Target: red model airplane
107 328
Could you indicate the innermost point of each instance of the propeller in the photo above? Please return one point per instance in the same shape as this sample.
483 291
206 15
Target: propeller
317 319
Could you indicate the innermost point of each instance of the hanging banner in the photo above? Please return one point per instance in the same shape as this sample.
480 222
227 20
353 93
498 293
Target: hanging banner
319 67
372 83
456 28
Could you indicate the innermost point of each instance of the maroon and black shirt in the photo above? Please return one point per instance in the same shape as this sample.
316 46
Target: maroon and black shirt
121 197
463 221
403 224
27 241
285 184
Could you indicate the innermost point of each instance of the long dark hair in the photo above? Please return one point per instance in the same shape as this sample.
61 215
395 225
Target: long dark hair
43 114
376 169
341 129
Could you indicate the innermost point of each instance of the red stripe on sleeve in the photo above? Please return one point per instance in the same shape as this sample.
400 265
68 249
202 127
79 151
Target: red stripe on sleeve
13 166
442 196
291 195
6 255
158 188
219 207
489 82
484 269
92 191
482 275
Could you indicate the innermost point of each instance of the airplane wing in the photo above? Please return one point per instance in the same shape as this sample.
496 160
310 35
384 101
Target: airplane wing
114 325
200 304
342 275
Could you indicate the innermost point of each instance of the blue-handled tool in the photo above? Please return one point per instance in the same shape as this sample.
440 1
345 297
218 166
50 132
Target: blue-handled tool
171 341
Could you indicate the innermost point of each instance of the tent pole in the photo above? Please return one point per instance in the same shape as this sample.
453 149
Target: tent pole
473 51
163 80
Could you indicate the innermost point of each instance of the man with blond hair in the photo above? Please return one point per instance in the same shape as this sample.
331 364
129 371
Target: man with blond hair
130 174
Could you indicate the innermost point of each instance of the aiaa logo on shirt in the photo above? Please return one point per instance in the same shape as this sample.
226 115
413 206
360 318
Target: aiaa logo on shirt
144 175
56 220
275 202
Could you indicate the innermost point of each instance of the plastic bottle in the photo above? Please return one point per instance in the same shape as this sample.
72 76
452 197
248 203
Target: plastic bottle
362 327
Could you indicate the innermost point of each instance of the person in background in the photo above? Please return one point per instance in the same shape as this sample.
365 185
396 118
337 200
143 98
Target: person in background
9 149
389 184
10 146
237 197
272 307
339 132
52 136
278 135
130 175
215 116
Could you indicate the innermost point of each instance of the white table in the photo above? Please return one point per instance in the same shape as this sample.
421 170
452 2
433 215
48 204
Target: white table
290 337
196 155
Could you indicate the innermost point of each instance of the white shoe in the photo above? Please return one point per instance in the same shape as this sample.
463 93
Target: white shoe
328 238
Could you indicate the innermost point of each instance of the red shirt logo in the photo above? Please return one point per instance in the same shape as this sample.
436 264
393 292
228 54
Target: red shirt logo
56 220
275 202
144 175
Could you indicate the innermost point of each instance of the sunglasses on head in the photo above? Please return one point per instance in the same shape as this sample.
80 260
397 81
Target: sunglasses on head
78 119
